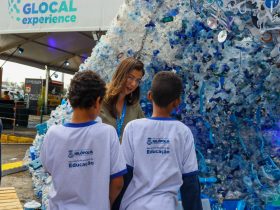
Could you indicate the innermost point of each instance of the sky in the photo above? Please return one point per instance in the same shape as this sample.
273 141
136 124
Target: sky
14 72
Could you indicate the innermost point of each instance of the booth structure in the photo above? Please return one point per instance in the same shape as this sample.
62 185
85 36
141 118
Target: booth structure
13 113
62 46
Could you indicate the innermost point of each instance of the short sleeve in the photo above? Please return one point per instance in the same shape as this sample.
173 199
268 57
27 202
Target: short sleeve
189 156
118 166
127 147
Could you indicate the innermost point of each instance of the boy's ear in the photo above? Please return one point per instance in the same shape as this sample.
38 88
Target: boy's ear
98 101
149 95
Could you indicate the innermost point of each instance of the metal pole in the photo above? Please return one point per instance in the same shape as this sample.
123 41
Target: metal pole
15 116
47 88
1 74
1 128
62 78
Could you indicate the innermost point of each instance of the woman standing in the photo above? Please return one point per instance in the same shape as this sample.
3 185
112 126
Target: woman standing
121 103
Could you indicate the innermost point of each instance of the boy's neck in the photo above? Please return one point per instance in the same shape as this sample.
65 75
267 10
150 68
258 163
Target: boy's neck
82 116
161 112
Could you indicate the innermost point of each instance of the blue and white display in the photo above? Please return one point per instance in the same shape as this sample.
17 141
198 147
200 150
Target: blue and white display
228 54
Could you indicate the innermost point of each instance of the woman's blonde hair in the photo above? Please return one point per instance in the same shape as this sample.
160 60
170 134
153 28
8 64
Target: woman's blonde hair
119 79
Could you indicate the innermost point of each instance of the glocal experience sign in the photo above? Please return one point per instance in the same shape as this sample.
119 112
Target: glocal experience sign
19 16
43 12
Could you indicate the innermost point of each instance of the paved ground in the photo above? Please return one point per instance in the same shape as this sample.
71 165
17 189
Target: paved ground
15 152
21 181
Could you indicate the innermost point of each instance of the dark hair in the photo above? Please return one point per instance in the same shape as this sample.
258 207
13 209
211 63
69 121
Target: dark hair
166 87
85 87
118 81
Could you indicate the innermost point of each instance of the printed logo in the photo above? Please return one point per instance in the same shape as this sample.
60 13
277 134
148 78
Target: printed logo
79 153
80 158
42 12
149 141
71 154
158 146
14 9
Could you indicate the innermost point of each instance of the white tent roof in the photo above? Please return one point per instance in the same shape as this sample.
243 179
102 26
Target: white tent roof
51 49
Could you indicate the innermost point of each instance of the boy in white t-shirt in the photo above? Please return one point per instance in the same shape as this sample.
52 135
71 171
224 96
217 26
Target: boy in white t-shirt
160 154
84 156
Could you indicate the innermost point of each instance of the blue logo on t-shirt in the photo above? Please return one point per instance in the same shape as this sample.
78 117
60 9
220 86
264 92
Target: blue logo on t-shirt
82 152
151 141
158 146
80 158
71 154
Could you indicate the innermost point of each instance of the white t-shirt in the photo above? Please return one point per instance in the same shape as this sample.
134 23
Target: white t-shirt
160 150
81 159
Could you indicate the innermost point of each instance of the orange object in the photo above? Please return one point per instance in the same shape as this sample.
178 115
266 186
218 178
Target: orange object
266 37
6 97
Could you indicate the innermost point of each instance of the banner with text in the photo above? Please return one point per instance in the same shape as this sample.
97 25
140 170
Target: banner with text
29 16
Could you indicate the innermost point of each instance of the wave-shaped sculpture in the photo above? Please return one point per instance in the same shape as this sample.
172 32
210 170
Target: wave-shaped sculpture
227 53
